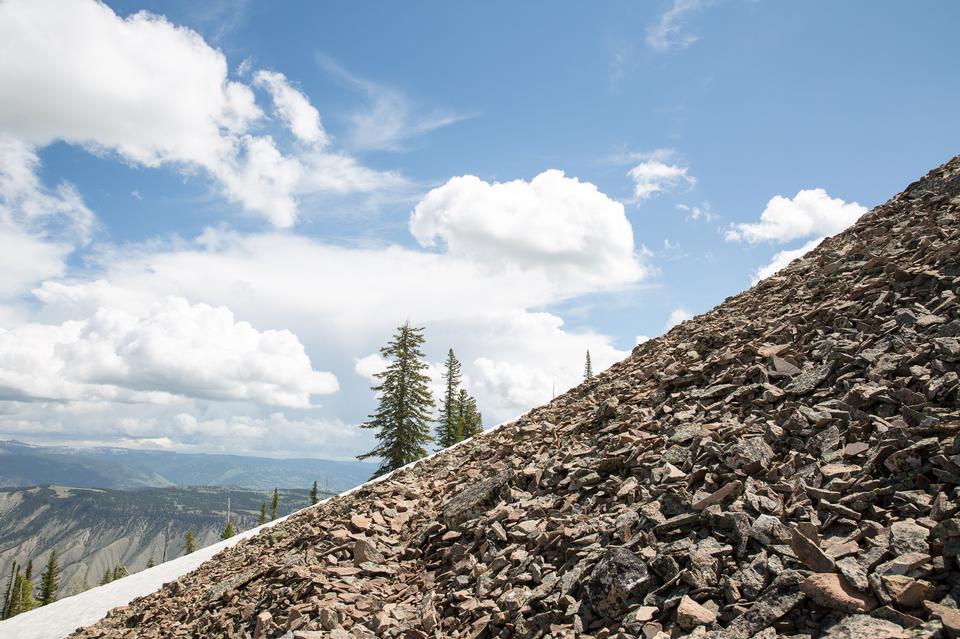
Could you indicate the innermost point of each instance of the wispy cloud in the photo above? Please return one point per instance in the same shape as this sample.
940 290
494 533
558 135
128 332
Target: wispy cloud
621 57
655 172
390 117
669 32
702 212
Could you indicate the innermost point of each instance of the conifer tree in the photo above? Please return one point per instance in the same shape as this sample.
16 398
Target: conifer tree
262 519
49 580
448 421
27 602
107 576
120 571
402 419
189 543
469 418
588 368
10 594
6 591
150 562
275 504
228 531
314 495
15 605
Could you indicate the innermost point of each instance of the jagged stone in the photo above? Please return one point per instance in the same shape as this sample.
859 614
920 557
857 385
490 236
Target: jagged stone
810 554
907 592
907 536
475 500
832 591
690 614
617 578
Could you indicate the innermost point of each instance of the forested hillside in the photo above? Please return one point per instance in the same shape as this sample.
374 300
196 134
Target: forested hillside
98 530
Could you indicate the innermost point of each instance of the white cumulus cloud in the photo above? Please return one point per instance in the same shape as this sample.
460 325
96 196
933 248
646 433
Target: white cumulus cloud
478 293
369 366
563 228
811 212
172 349
155 94
528 357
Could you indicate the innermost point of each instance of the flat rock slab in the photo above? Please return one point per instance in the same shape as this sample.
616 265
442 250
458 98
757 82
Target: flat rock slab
476 500
864 627
832 591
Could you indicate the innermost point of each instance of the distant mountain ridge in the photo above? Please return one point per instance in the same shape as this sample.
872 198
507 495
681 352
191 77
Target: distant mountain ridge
93 529
24 465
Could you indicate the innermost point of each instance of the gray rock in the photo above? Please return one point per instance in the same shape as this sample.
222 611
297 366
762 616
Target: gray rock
907 536
618 578
476 500
805 381
776 601
864 627
748 452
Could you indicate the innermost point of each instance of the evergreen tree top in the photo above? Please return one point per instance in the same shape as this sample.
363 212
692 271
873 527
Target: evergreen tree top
404 410
49 580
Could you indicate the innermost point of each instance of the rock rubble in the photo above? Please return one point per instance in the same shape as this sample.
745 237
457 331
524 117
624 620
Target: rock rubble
786 465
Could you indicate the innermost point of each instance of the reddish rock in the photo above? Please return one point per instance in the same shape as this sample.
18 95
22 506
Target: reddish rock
832 591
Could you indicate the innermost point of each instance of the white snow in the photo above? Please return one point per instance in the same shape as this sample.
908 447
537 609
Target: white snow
62 617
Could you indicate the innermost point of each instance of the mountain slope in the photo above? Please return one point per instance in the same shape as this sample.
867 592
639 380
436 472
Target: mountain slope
27 465
95 529
784 465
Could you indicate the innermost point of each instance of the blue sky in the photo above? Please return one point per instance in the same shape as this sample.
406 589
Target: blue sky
235 176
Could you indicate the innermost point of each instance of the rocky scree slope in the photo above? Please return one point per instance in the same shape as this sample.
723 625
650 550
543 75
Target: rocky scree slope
786 465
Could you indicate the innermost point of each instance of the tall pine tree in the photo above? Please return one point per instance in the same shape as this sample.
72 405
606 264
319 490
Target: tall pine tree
228 531
262 519
402 419
275 504
15 604
588 368
10 594
448 422
314 495
468 417
49 580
